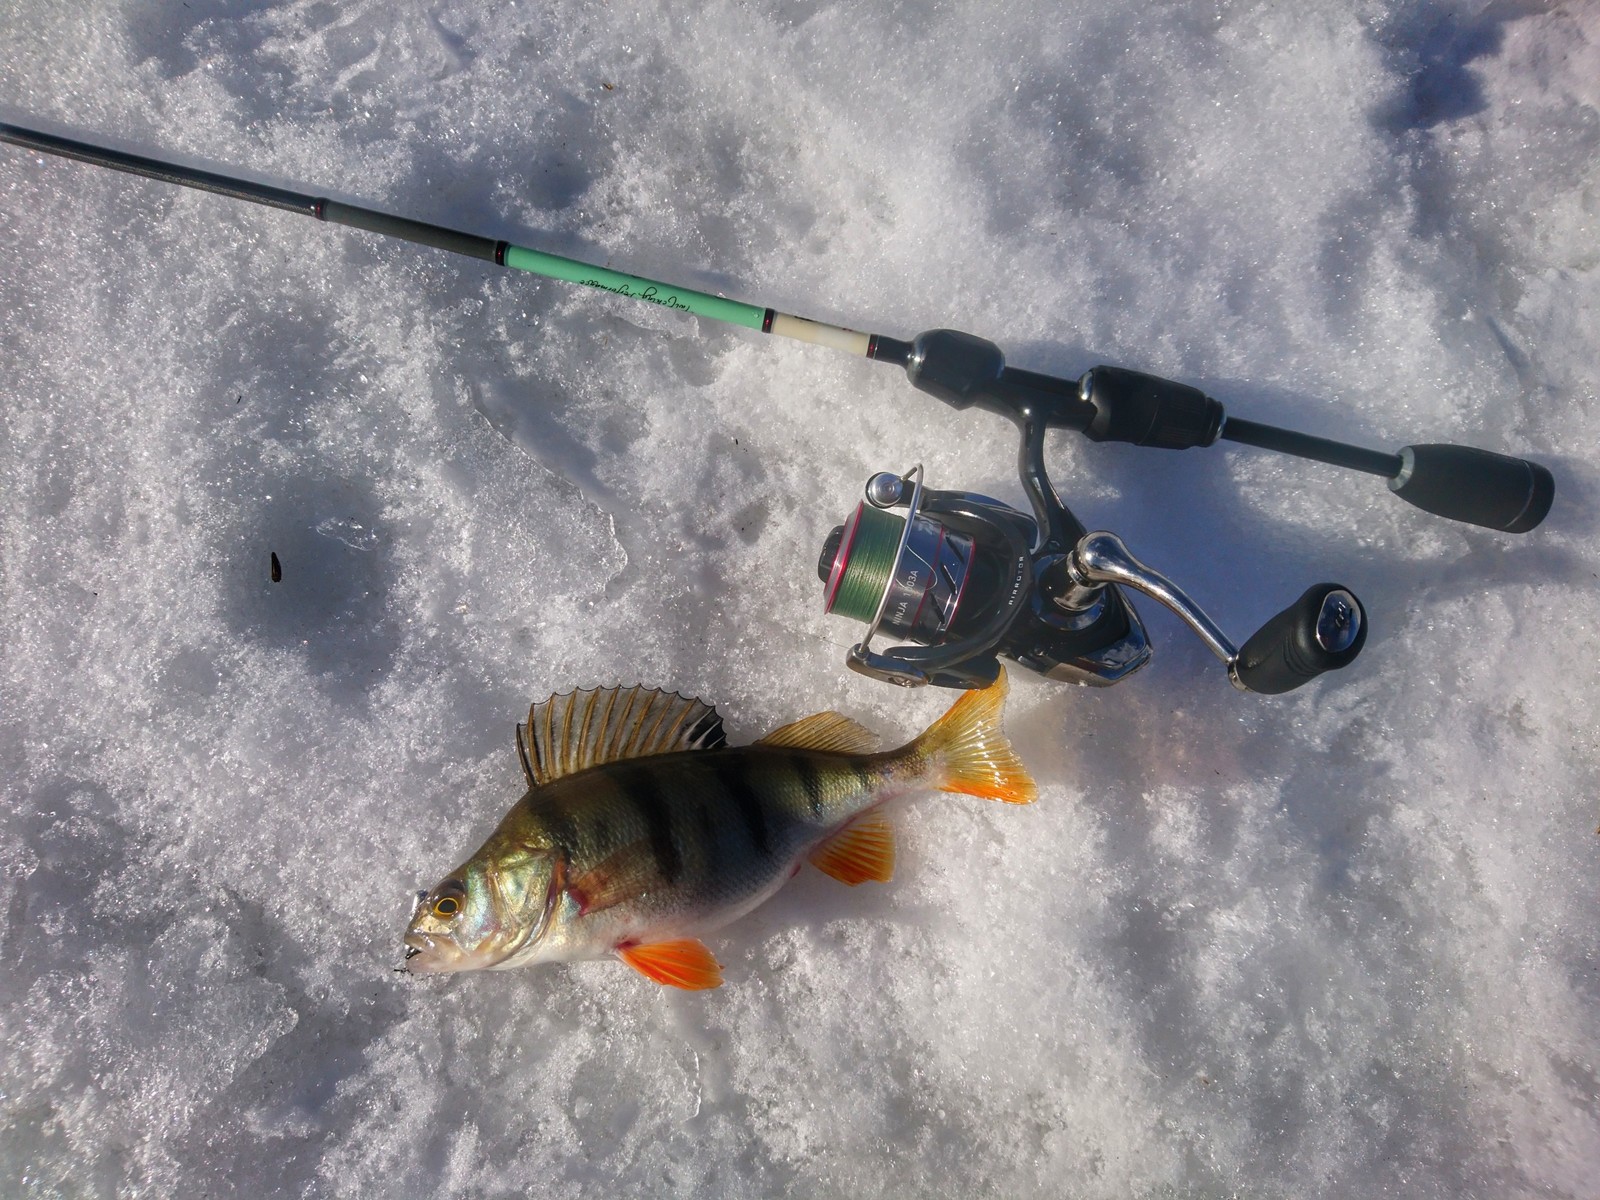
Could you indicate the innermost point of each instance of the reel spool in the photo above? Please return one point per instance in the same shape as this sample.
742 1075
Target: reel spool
907 574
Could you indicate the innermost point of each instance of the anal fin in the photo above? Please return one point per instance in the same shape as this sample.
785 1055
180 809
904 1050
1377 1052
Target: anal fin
684 963
862 850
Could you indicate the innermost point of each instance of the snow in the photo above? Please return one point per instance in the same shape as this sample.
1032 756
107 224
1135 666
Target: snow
1340 942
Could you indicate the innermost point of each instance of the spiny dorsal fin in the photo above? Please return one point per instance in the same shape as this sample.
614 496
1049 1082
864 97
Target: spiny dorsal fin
582 729
824 731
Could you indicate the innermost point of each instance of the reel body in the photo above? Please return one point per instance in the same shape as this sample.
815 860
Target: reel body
960 576
968 580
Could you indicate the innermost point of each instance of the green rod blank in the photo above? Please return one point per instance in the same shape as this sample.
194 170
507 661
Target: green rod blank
635 287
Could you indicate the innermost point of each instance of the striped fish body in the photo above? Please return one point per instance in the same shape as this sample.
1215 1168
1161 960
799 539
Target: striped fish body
642 830
677 845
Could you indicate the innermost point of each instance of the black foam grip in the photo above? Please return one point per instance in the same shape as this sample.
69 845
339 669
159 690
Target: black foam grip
1130 406
1475 486
1285 652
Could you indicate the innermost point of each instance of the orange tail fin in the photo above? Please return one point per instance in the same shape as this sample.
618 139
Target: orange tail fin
970 751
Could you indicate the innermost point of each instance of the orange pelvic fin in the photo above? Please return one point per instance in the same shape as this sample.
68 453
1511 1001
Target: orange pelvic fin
862 850
684 963
972 752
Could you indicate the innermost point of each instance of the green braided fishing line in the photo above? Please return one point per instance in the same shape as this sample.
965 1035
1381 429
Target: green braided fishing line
872 558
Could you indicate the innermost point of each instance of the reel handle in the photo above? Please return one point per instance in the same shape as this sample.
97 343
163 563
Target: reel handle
1322 631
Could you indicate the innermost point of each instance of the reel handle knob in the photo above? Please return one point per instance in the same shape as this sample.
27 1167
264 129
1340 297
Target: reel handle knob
1322 631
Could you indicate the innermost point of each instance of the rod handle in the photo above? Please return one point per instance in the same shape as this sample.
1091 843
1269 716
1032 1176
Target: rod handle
1146 410
1479 487
1322 631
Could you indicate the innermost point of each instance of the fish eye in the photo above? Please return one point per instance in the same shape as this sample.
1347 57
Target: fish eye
448 902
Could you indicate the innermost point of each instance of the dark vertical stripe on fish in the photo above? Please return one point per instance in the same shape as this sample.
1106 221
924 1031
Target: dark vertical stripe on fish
642 792
751 811
707 824
555 818
865 779
806 769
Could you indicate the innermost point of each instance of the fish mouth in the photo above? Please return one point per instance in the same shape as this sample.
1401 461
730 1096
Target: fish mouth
435 957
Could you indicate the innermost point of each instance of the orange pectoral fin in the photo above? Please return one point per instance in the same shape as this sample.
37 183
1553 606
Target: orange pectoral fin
862 850
685 964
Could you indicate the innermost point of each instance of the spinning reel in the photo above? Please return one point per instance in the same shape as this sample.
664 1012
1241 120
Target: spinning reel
967 579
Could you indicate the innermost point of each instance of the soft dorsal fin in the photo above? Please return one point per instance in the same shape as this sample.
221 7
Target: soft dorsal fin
582 729
824 731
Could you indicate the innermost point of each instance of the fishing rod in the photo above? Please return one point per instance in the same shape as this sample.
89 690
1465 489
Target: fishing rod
1045 592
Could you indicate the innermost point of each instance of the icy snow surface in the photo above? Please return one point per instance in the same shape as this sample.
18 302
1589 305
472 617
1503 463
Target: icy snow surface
1337 943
